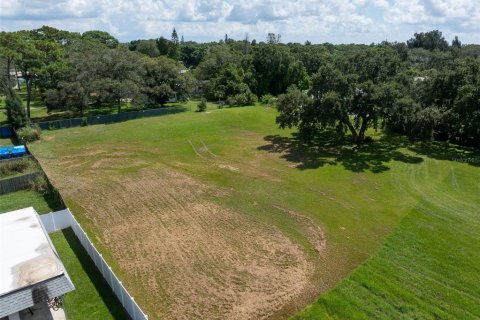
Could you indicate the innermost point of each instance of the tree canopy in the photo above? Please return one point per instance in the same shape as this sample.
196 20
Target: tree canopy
424 88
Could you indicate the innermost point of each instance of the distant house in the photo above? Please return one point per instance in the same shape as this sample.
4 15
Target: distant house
416 79
201 85
17 76
31 273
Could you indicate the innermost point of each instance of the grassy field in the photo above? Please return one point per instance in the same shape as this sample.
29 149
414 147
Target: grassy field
40 113
5 142
25 198
429 268
92 297
222 215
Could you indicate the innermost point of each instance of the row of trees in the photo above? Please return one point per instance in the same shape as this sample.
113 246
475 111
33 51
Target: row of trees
424 88
378 87
72 71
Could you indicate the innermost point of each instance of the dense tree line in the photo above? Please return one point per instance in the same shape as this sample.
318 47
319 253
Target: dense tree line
424 88
75 72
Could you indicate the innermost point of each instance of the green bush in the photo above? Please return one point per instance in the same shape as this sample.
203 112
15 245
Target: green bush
242 99
84 122
40 185
29 134
202 105
268 100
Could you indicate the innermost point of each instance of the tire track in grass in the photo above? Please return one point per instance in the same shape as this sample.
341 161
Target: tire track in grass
192 247
427 268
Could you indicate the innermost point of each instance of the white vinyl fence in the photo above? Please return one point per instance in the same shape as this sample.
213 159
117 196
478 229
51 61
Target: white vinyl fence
63 219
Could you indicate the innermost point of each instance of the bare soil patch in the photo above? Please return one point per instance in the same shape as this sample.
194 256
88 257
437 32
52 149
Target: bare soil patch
186 256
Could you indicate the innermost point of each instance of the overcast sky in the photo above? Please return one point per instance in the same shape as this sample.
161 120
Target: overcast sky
335 21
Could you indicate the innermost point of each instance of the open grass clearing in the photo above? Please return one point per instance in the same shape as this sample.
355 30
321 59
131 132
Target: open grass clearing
429 267
5 142
25 198
222 215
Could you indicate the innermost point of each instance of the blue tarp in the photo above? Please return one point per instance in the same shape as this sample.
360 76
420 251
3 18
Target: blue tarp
12 152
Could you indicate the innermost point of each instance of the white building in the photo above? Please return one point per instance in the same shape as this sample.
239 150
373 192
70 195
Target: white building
31 272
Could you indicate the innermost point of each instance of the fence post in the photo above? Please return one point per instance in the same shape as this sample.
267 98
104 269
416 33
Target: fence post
121 294
134 309
111 277
101 264
52 214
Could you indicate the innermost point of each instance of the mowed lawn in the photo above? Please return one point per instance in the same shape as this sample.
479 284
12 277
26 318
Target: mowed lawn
222 215
92 297
24 198
429 268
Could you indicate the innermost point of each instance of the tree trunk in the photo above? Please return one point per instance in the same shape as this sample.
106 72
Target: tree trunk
16 76
351 128
28 82
9 61
119 106
363 128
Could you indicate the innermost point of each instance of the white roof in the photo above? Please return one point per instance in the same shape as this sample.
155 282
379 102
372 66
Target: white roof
27 256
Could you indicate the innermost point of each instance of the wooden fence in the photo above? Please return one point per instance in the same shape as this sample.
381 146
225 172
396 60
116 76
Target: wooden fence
28 156
18 183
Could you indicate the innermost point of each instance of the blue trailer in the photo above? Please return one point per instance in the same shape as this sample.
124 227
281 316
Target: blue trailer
12 152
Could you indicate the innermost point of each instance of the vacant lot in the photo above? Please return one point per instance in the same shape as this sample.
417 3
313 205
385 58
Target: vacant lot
221 215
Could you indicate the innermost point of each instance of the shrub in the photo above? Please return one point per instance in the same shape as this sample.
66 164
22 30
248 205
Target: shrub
40 185
15 166
202 105
230 101
15 113
29 134
84 122
242 99
268 100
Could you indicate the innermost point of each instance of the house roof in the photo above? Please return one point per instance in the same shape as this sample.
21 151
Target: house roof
30 269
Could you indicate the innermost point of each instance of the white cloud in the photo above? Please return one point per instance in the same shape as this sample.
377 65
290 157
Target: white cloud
407 11
381 3
450 8
334 21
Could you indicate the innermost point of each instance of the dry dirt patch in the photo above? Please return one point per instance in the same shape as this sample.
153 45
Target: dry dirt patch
187 257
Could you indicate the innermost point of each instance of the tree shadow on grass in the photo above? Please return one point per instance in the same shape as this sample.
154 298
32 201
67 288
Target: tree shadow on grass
445 151
331 149
53 202
95 277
